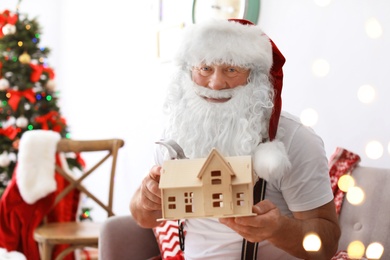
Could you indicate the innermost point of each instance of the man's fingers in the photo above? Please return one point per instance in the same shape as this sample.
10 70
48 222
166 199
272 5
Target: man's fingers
263 207
154 173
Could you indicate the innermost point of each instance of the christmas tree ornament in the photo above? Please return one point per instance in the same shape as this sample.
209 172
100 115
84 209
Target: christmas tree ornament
4 159
11 120
4 84
8 74
3 177
51 85
15 145
21 122
27 106
25 58
9 29
85 214
43 77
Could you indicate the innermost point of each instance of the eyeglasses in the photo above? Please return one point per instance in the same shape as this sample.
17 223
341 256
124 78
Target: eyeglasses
228 71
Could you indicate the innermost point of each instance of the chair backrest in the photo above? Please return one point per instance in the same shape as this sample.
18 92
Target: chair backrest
368 222
111 146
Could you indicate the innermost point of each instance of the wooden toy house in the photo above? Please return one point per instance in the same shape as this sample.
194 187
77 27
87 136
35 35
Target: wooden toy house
209 187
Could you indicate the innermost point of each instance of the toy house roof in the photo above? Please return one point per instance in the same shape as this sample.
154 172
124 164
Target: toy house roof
215 155
188 172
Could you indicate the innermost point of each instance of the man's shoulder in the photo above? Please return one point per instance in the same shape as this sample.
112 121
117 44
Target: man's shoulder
291 128
289 121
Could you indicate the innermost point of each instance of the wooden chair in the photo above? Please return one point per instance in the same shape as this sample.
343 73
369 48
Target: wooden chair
78 234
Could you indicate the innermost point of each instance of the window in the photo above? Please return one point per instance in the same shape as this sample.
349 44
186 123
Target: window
188 200
171 202
216 178
240 199
215 173
217 199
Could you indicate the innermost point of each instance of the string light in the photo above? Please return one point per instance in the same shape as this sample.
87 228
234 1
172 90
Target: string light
355 195
356 249
346 182
373 28
320 68
374 251
374 150
366 94
312 242
309 117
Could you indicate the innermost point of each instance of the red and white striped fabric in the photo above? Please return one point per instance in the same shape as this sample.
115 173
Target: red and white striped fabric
167 236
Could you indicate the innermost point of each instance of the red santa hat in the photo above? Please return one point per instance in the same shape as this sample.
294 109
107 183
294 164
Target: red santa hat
239 42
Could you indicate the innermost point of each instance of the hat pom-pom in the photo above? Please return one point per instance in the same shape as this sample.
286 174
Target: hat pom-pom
271 160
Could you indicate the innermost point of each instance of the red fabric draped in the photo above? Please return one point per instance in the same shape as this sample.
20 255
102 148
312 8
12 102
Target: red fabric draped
18 219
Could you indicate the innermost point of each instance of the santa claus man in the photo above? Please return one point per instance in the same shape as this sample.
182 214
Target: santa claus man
226 94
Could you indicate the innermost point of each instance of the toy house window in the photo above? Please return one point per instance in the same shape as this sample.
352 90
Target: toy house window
171 202
240 199
217 199
188 199
216 177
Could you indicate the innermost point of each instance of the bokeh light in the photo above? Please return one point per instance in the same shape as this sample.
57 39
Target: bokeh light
373 28
355 195
312 242
374 150
366 94
309 117
355 249
346 182
320 68
374 251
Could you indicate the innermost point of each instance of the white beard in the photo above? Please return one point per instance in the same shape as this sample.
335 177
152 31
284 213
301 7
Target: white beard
235 127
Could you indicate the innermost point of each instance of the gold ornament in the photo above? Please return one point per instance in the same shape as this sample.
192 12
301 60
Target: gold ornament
51 85
25 58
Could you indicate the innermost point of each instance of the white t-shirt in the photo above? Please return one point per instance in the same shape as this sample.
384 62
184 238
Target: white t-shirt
306 186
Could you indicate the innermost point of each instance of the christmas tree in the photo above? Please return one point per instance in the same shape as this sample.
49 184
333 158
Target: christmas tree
28 95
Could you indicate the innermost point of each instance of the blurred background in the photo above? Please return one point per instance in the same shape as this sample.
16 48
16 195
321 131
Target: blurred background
112 63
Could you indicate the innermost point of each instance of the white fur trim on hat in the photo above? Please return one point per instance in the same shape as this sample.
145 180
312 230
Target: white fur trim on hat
270 160
223 41
36 164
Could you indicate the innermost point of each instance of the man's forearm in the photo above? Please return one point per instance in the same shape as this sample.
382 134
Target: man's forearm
290 237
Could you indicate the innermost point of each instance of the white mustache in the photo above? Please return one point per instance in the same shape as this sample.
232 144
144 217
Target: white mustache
210 93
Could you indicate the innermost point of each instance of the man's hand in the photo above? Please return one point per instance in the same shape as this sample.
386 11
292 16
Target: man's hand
150 193
256 228
288 233
145 205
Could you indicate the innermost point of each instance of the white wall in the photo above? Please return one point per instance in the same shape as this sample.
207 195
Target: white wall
305 32
112 85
